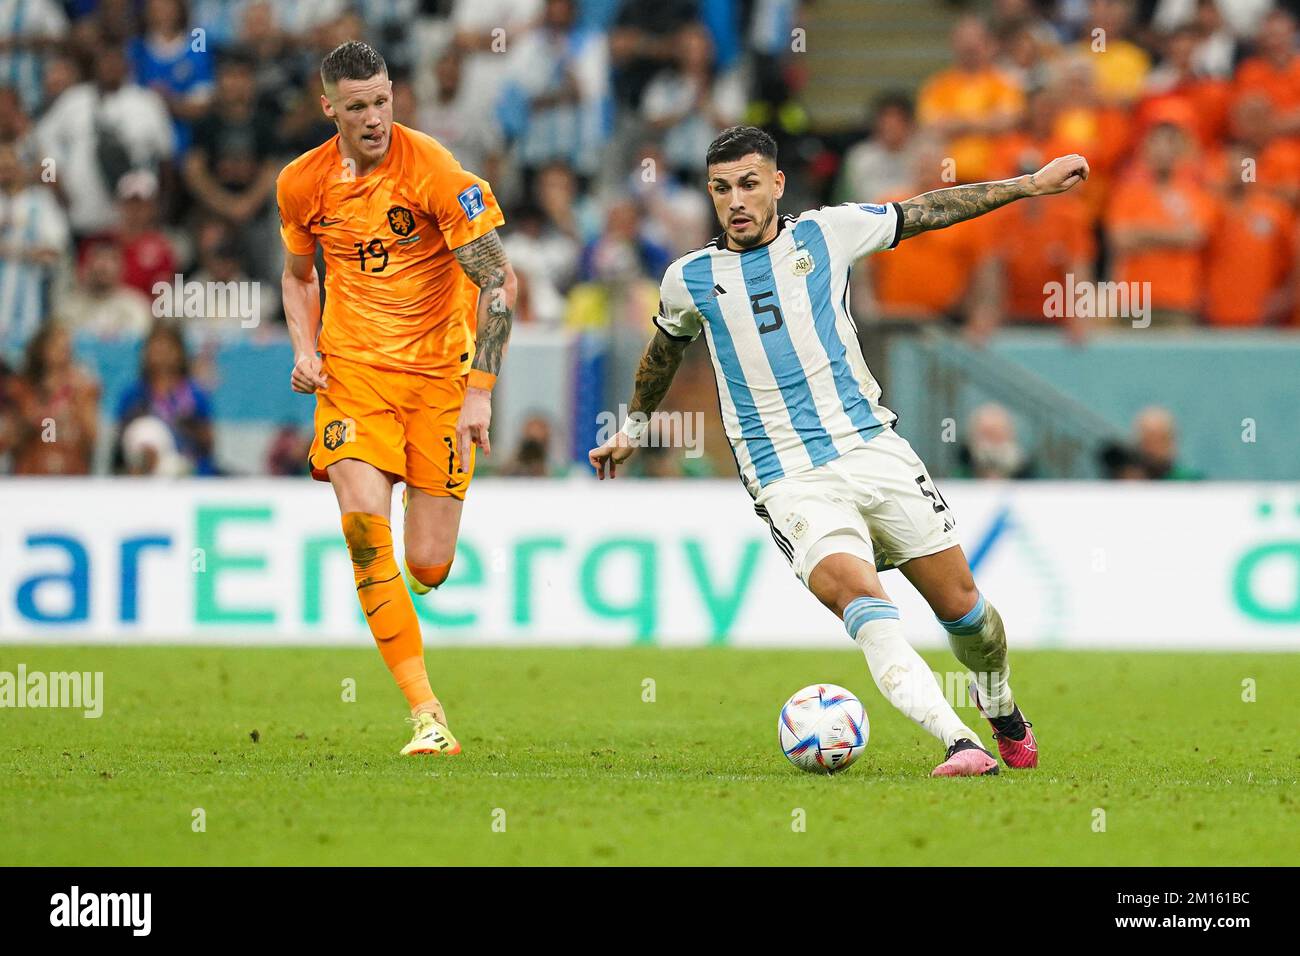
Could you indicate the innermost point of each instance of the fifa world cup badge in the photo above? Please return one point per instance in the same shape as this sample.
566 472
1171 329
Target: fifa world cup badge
803 263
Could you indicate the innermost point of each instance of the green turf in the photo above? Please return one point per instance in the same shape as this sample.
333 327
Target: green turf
586 772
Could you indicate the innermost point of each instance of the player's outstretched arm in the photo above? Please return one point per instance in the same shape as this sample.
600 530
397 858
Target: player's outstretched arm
945 207
659 364
484 261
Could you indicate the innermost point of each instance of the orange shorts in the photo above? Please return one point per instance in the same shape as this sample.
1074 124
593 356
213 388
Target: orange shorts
403 423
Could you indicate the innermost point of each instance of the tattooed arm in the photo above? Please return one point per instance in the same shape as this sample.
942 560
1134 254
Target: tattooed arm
653 376
484 261
944 207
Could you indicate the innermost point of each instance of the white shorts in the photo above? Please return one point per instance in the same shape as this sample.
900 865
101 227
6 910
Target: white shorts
877 502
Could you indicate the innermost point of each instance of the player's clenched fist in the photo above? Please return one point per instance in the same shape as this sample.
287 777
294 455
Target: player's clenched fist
307 376
610 455
1060 174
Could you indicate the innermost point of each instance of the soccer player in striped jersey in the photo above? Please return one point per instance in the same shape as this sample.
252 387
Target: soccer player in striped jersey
844 495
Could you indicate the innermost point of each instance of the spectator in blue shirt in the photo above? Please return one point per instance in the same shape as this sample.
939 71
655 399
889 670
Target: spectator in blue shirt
168 392
176 62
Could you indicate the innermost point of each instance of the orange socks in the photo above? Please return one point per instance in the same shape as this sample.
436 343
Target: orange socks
430 575
387 605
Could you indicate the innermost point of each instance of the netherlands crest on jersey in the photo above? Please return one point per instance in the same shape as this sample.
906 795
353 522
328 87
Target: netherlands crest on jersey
401 220
803 263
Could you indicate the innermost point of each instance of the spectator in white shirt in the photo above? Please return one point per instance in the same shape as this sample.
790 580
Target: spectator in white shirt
97 132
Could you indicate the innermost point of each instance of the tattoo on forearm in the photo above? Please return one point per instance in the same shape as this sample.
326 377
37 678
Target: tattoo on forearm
484 261
658 366
944 207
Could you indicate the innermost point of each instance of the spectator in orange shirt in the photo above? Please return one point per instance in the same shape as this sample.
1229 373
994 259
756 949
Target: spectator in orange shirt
1030 251
1271 161
1094 128
971 102
1158 223
1176 82
931 276
1251 253
1274 71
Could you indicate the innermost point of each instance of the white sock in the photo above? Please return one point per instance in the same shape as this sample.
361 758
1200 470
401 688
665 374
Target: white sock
979 641
900 673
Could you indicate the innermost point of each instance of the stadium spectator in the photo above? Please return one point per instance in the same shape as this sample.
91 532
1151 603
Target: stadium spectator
1274 71
177 65
777 73
1121 65
1176 84
448 114
622 253
1155 441
112 24
531 458
1251 254
970 103
933 274
277 66
687 106
545 260
1274 161
57 408
645 39
29 29
553 100
167 391
678 214
481 31
33 243
232 167
61 73
149 450
882 164
1026 51
993 452
1158 225
148 254
101 305
96 133
220 271
15 124
221 19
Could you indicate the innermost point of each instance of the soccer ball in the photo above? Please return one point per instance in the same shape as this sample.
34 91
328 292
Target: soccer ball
823 728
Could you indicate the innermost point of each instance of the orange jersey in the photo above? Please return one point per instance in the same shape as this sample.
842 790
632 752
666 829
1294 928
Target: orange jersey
1177 275
395 296
1038 242
1249 259
958 95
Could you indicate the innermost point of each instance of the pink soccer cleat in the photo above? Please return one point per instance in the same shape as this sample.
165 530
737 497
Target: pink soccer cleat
1019 754
966 759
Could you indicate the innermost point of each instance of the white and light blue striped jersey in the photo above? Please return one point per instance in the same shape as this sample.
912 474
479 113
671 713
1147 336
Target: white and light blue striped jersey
793 386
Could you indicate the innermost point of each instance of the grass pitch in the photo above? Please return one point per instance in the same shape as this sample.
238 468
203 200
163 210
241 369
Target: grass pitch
565 763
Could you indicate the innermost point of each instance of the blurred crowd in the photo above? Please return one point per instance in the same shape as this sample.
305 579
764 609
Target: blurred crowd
1189 114
140 140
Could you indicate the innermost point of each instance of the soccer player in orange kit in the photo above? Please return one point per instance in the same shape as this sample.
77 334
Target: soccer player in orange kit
419 300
